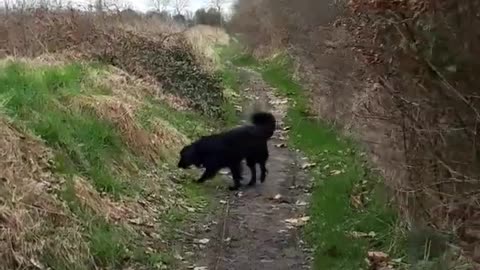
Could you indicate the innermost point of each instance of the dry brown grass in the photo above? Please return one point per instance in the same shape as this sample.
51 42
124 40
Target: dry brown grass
155 146
204 40
135 90
32 220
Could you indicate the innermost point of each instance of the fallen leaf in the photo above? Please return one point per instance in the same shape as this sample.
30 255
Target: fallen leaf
36 263
355 234
223 202
281 145
203 241
300 203
378 258
335 172
280 199
356 201
298 222
308 165
135 221
279 102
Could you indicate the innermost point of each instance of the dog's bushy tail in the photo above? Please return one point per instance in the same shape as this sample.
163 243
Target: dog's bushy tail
265 121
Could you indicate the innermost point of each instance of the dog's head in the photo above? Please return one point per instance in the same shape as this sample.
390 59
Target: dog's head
188 157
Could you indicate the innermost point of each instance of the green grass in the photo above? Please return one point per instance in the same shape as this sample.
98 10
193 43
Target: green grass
108 244
188 123
39 100
340 173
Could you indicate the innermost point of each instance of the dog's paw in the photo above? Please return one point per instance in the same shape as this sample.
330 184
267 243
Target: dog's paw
233 188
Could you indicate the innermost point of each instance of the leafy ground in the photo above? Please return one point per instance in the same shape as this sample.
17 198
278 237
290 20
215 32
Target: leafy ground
349 214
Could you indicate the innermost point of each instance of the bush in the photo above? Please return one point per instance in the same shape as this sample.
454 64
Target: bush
208 17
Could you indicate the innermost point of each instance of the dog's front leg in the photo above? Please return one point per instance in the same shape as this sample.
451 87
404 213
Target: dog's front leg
253 172
207 174
236 175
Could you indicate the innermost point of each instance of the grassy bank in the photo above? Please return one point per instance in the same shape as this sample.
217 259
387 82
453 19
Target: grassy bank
349 214
109 195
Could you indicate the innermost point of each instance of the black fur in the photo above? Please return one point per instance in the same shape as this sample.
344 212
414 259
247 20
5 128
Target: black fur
229 148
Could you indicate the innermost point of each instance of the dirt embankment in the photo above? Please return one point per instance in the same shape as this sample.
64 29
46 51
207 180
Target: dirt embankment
93 113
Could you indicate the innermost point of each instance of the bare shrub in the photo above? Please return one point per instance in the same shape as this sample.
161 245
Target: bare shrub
278 23
430 52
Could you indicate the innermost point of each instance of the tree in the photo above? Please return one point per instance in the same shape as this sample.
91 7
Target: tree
160 5
211 17
179 18
180 6
217 4
99 6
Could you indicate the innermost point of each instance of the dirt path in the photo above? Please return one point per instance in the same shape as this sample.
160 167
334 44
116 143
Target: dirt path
251 231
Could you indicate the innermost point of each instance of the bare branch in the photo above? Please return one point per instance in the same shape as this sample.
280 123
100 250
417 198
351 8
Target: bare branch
160 5
180 5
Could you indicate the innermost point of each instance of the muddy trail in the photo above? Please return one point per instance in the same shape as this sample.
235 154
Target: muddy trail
259 227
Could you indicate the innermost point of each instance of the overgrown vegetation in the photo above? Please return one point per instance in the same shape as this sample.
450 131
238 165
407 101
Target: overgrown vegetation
99 165
414 107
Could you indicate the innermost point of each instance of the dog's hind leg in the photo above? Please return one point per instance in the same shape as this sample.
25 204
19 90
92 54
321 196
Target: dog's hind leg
209 173
236 170
253 171
264 171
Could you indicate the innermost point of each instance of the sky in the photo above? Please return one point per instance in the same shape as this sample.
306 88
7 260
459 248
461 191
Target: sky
145 5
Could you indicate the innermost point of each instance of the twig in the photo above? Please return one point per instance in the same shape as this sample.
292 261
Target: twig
224 229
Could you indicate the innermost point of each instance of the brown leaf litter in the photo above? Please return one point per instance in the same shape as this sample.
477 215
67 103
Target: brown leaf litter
134 89
28 207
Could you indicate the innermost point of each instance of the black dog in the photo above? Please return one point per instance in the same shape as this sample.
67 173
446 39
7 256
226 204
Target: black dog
228 149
